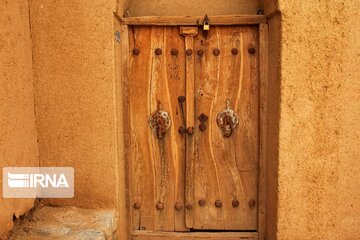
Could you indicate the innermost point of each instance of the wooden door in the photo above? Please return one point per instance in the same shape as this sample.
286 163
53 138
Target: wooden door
207 179
226 167
156 167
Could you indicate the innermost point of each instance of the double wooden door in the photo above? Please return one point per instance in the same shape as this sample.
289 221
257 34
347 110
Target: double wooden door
193 128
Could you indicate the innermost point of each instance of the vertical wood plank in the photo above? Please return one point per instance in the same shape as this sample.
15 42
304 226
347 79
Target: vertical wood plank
189 43
189 185
175 80
189 33
139 72
121 61
206 182
162 148
263 64
155 166
226 168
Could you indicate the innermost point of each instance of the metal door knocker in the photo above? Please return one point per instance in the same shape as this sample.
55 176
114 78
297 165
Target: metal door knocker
227 120
159 121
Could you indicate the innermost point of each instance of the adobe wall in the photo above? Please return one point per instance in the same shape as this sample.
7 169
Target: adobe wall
17 122
73 56
191 7
318 155
313 116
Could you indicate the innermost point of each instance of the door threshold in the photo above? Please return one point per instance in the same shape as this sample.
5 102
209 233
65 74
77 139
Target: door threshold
157 235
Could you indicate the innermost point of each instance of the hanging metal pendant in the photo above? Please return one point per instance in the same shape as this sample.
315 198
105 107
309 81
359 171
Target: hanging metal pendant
227 120
159 121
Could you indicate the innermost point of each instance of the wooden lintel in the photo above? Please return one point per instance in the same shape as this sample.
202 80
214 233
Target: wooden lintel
194 20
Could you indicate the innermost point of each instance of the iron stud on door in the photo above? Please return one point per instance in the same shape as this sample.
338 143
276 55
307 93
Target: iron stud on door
189 206
234 51
197 169
136 51
218 203
158 51
202 202
216 52
202 127
189 52
137 205
178 206
235 203
160 206
251 50
174 52
202 118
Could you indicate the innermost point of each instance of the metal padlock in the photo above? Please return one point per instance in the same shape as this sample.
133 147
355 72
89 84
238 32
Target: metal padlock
206 26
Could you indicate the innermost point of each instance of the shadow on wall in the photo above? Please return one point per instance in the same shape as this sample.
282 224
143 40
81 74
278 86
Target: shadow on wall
187 7
18 145
273 125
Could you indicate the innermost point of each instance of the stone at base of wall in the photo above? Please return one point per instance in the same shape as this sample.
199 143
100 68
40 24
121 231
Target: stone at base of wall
68 223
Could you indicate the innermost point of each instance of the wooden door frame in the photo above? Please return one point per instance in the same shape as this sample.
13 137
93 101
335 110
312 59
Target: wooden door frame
122 50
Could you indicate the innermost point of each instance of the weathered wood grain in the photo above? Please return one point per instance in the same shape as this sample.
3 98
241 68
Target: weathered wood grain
175 71
156 165
121 73
207 165
148 235
263 65
226 168
189 33
194 20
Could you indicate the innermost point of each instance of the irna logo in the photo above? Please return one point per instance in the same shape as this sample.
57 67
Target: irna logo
37 180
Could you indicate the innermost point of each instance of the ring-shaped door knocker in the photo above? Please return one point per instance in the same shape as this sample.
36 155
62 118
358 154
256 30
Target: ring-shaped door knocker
159 121
227 120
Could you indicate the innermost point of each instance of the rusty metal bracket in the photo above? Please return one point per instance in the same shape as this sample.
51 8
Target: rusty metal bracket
159 121
227 120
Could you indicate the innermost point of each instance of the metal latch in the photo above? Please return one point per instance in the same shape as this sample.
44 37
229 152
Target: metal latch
206 25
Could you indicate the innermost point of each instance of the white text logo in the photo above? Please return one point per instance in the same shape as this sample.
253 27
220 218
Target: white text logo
40 182
36 180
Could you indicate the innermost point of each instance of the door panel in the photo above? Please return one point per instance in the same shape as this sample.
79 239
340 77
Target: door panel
222 168
155 166
225 168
